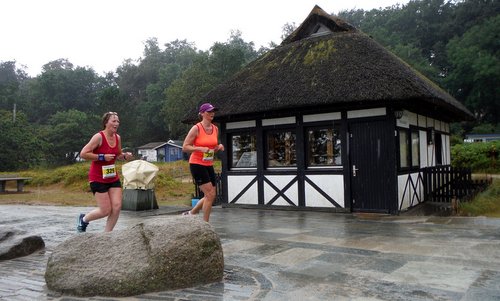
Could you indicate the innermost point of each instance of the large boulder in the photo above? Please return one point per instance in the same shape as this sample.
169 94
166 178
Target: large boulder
16 243
160 254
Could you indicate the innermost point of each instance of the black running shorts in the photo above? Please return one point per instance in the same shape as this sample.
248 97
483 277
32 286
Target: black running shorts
202 174
103 187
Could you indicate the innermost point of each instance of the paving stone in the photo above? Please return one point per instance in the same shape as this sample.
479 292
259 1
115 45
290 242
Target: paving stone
292 255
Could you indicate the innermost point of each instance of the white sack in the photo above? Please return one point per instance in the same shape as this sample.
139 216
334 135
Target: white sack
139 174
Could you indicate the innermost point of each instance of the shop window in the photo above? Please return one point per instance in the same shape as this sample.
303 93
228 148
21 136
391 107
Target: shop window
324 147
281 149
404 153
438 148
244 150
409 148
415 149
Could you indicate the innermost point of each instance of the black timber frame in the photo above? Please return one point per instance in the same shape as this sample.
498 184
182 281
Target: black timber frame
301 172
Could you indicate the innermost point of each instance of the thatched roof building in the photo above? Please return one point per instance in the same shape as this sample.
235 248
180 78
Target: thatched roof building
328 63
331 120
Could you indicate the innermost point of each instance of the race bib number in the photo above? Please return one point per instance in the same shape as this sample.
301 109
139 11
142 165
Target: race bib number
209 156
108 171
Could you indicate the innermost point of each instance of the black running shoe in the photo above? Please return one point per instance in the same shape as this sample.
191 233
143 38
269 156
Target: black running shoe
81 226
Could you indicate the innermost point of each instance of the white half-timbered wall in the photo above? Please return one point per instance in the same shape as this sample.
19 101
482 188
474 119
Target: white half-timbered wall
411 184
333 184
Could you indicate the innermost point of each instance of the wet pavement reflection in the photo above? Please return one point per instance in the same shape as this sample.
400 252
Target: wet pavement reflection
297 255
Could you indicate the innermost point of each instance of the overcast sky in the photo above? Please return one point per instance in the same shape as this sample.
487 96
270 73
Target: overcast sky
103 33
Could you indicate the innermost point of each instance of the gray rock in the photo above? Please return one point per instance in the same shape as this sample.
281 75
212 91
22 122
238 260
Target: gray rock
16 243
160 254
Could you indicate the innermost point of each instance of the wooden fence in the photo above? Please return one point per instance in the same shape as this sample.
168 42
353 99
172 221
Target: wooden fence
443 183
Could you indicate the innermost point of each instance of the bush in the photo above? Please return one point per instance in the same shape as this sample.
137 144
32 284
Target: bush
485 203
480 157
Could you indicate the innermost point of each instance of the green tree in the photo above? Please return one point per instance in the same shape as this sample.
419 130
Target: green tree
21 145
184 93
108 95
67 132
62 87
484 128
142 88
450 42
414 32
168 64
11 78
475 69
227 58
208 69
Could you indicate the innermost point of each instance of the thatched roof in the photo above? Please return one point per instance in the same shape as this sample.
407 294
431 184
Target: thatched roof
327 63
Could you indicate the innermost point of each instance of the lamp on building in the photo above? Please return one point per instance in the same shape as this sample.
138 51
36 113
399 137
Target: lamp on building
398 114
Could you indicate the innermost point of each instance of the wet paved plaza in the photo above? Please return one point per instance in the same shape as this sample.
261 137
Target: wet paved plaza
297 255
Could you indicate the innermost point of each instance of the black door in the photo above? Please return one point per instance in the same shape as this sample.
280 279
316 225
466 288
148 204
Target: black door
372 172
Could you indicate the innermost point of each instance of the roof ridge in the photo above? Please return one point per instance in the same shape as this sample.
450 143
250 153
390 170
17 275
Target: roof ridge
318 22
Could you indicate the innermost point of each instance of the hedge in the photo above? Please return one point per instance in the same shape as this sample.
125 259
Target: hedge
481 157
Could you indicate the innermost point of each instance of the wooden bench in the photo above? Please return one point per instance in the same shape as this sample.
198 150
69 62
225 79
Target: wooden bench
19 180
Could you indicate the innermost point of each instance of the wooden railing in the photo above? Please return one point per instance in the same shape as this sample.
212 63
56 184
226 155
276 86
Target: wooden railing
444 183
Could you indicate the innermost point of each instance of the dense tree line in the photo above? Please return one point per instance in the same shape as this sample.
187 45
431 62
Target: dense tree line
45 120
56 112
454 43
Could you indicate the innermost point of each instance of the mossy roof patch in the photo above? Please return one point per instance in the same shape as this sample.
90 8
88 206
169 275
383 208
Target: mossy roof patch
344 66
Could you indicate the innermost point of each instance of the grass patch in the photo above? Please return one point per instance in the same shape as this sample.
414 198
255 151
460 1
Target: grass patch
68 185
486 203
